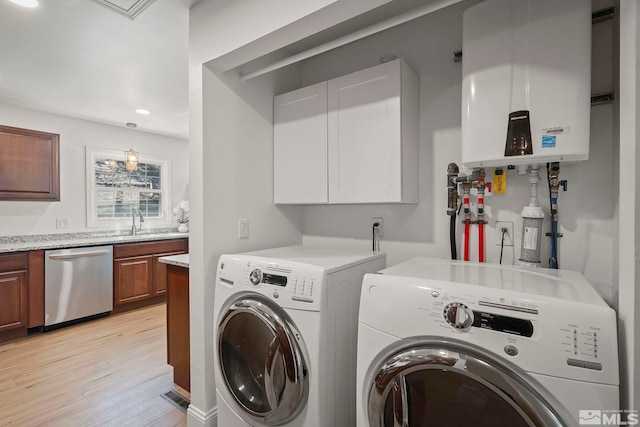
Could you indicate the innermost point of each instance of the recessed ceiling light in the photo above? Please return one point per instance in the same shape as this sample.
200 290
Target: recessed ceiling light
143 111
25 3
132 125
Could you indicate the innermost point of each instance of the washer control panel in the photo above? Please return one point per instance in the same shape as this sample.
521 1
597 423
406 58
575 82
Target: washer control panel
458 315
558 336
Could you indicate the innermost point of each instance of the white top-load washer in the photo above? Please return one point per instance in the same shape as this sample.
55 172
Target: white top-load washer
285 331
454 343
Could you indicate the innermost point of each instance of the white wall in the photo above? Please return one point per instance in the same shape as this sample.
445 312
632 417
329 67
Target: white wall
629 205
21 218
237 171
230 146
233 32
586 209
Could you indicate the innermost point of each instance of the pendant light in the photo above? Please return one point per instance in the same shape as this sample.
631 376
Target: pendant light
131 160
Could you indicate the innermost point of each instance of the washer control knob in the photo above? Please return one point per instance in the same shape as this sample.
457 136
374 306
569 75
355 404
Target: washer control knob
255 276
458 315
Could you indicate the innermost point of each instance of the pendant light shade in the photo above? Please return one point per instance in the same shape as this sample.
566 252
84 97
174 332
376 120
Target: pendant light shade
131 160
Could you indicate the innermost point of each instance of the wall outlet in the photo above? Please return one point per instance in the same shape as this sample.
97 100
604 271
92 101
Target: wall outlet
243 229
380 222
508 235
62 222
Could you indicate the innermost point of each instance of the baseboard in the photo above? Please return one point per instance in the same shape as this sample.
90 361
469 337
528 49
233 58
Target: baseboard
198 418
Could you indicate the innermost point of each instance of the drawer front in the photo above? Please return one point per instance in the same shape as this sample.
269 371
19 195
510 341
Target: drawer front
13 262
127 250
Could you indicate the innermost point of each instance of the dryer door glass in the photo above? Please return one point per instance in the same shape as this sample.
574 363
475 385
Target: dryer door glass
261 361
423 387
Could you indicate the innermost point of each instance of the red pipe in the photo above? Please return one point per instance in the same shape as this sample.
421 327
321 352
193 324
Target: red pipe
481 230
481 242
467 225
466 241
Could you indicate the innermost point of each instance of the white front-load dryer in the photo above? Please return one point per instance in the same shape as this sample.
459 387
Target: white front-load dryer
448 343
286 335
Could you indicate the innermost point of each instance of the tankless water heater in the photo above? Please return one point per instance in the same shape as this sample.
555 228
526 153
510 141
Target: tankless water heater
526 85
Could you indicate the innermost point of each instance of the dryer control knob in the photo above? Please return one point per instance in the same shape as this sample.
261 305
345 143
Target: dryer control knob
458 315
255 276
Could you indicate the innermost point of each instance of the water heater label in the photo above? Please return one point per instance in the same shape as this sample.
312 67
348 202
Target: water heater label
548 141
557 130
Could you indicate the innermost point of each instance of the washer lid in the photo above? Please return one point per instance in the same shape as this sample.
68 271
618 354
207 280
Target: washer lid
562 284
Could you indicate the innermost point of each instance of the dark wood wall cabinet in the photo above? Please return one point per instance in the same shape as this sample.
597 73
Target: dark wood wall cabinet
14 296
30 165
139 278
178 353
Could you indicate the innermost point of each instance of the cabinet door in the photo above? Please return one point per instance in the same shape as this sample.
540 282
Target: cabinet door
133 279
31 165
13 301
178 352
300 146
365 136
160 273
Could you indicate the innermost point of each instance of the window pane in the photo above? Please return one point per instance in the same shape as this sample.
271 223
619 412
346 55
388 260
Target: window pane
120 204
150 204
155 182
105 204
138 179
112 173
153 174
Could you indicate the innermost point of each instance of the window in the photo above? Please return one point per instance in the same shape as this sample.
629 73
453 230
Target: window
113 193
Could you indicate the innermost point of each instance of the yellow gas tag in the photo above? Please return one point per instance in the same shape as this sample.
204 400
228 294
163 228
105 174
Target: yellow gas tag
499 181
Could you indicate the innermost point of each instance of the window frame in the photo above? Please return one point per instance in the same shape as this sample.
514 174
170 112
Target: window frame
166 218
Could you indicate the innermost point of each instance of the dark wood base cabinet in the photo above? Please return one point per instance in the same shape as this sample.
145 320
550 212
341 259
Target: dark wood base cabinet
14 296
139 279
178 352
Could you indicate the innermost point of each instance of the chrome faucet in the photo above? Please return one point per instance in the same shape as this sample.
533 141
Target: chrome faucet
133 221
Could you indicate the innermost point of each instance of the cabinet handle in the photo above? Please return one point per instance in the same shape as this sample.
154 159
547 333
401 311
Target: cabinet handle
78 255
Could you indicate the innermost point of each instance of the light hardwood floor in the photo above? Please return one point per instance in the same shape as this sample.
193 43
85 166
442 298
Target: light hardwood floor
107 372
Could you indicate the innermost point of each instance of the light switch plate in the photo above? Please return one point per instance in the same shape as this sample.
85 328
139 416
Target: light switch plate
243 229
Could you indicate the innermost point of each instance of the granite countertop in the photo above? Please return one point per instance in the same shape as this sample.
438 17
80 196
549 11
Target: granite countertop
90 238
178 260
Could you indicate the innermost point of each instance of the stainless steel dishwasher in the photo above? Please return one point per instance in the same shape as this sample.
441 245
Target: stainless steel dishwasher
78 284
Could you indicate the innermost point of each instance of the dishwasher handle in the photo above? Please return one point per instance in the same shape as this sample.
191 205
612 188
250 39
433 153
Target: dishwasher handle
76 255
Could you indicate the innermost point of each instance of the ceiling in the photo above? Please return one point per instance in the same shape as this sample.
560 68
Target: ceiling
79 58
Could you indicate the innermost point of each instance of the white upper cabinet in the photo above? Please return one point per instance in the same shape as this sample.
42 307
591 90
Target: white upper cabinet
300 146
373 135
356 142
